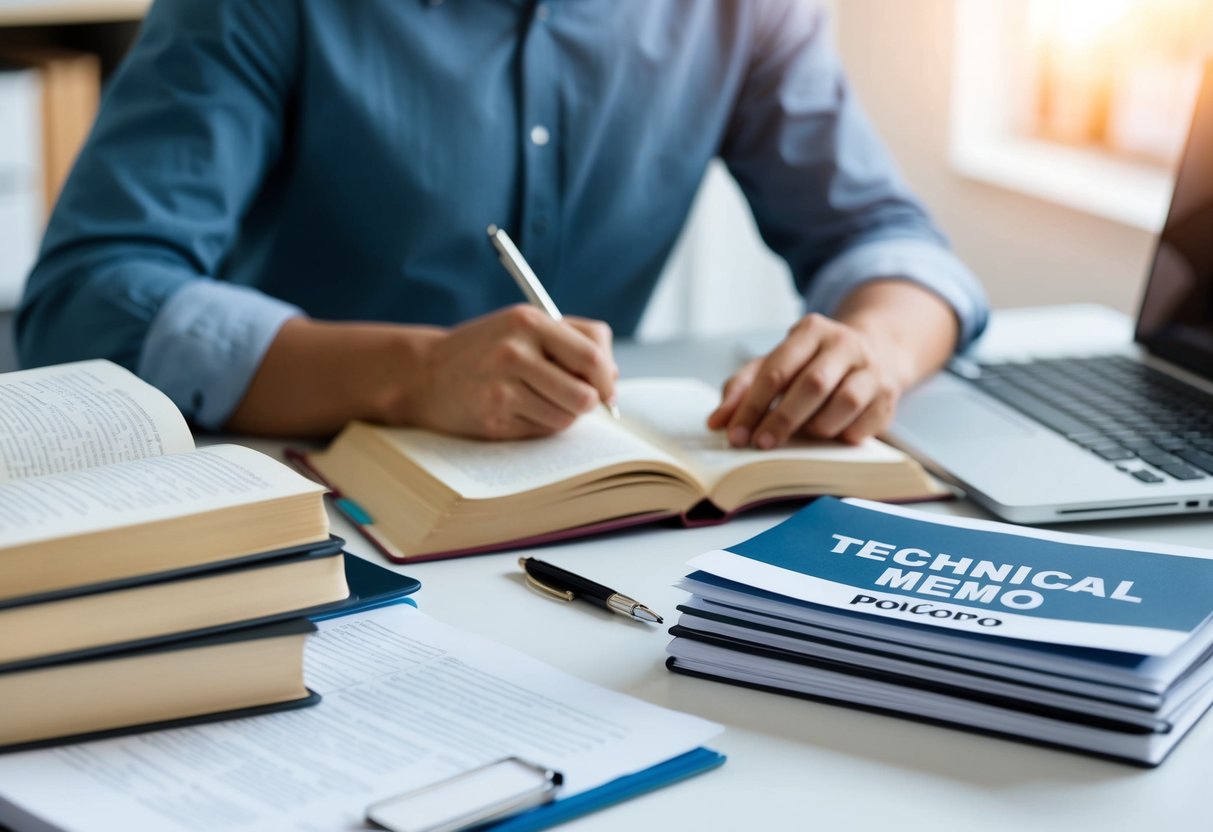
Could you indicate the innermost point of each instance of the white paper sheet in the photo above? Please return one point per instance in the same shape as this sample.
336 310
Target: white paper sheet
407 701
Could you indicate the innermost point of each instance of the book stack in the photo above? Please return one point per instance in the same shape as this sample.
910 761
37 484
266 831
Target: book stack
1089 644
143 581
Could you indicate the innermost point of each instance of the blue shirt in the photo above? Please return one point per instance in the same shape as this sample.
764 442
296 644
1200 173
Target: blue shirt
259 159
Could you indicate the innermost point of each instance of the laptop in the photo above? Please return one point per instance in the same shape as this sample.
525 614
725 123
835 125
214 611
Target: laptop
1123 431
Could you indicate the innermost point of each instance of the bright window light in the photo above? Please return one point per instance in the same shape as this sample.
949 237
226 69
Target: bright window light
1083 103
1120 75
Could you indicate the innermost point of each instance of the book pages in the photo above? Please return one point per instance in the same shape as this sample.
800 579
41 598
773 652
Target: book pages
142 491
483 470
672 413
83 415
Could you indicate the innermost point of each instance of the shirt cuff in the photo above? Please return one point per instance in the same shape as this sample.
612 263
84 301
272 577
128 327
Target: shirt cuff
205 344
922 262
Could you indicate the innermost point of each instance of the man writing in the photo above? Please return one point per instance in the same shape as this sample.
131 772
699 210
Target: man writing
266 177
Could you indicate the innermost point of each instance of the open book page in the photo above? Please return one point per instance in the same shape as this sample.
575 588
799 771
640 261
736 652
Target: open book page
673 413
407 702
83 415
483 470
141 491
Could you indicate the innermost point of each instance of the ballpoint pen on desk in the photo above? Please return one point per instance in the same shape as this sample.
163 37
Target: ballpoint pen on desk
513 261
560 583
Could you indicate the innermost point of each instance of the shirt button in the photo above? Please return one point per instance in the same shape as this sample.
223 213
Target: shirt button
540 135
540 225
542 11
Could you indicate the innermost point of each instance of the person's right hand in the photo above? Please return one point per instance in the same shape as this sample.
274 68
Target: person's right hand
512 374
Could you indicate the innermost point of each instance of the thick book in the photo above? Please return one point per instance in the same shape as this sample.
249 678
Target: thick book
90 620
316 583
423 495
1086 643
100 481
229 674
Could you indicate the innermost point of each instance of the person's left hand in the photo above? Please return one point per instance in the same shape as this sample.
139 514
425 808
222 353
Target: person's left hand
826 380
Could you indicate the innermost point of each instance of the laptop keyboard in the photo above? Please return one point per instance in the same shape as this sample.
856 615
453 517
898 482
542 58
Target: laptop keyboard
1115 407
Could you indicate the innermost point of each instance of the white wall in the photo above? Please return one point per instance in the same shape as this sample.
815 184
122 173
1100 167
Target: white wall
899 56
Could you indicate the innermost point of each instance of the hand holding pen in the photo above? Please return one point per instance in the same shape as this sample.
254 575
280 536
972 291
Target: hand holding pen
514 374
518 268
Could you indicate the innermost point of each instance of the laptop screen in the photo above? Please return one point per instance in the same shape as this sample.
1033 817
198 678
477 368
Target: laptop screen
1176 318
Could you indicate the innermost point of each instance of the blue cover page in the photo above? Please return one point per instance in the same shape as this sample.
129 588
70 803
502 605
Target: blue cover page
978 576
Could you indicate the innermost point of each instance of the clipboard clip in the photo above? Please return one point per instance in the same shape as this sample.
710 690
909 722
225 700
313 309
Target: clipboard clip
489 793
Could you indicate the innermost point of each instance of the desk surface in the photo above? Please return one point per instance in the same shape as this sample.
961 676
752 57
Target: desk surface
795 764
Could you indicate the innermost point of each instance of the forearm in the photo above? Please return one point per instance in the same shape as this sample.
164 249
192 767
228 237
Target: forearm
911 329
317 376
512 374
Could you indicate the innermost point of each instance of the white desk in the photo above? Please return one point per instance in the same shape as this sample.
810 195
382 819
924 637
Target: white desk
795 764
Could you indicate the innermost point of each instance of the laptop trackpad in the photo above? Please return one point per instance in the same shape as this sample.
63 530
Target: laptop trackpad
957 415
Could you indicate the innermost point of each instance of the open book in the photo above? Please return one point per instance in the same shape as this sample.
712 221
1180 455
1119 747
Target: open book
429 495
100 483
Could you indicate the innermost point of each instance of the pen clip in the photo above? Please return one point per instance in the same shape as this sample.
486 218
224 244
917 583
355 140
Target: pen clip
533 583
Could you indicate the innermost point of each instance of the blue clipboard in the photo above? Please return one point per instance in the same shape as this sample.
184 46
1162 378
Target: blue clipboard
624 788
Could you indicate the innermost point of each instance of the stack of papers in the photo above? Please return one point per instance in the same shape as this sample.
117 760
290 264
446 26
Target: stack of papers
407 701
1085 643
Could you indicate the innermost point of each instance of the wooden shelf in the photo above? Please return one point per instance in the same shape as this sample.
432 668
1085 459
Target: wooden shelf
55 12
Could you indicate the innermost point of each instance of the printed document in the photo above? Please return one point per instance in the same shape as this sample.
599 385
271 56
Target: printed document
407 701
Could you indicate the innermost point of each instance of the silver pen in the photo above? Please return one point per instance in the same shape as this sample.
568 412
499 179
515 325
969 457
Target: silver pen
528 282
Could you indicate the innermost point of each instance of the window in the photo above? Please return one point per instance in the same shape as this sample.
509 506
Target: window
1082 102
1119 74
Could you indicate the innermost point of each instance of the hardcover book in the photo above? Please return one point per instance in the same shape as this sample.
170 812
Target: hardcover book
100 482
217 677
429 495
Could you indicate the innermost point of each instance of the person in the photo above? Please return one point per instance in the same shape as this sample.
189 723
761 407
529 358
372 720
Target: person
279 217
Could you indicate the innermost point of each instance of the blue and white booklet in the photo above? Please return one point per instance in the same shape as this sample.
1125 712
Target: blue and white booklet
976 576
1070 640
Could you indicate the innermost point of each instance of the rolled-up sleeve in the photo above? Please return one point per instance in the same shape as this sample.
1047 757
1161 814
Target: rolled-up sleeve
188 129
825 193
929 264
205 344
